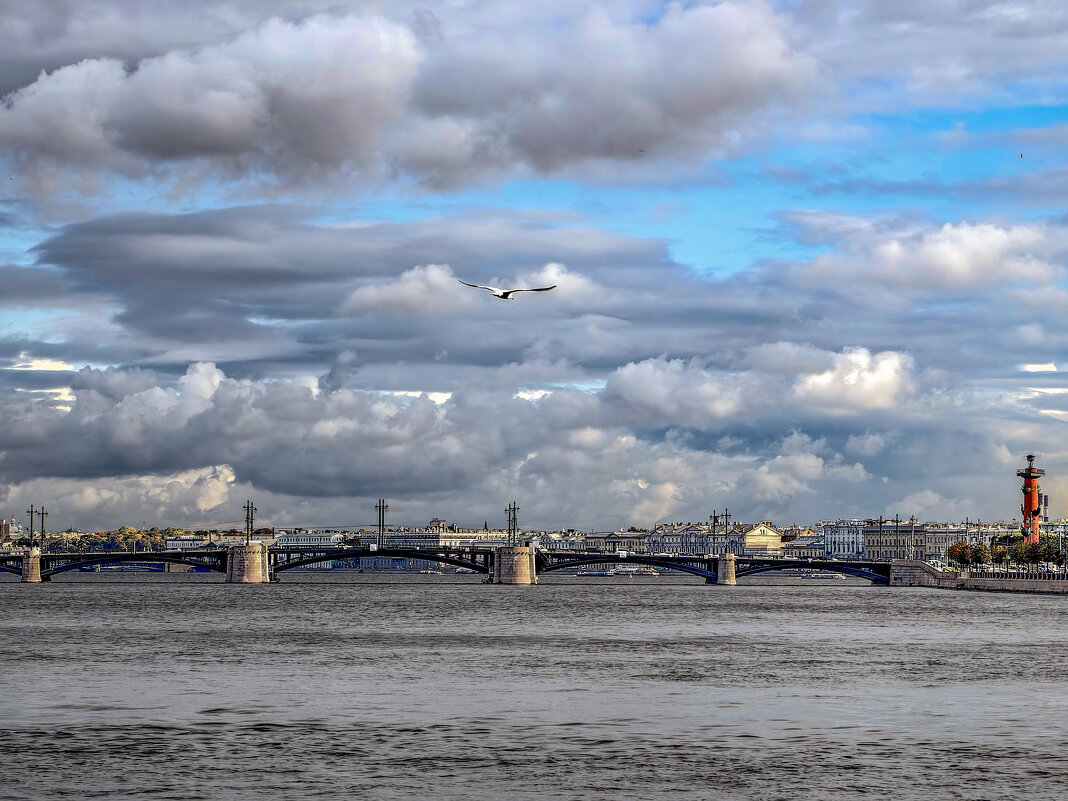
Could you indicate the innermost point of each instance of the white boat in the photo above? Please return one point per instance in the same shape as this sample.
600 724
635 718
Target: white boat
823 576
629 570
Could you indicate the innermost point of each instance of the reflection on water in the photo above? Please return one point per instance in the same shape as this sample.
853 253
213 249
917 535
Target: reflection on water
388 687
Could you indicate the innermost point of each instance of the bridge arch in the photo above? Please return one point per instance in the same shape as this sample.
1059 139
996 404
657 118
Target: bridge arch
545 566
215 565
363 553
827 567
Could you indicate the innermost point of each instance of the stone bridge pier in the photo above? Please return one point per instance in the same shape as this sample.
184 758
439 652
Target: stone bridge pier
247 564
514 565
725 573
31 566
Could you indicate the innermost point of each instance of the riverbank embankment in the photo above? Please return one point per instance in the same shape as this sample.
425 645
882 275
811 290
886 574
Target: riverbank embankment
914 573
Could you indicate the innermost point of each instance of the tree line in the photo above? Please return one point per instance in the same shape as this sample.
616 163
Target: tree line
125 538
1018 552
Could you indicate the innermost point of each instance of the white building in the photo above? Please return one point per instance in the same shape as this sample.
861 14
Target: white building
843 539
186 542
303 537
560 541
693 539
809 546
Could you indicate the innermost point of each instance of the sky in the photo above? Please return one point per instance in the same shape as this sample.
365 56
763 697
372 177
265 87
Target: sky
810 259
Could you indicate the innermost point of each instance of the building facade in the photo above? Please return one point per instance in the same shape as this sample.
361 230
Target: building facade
690 539
612 541
807 547
761 539
186 542
842 539
937 537
303 537
889 539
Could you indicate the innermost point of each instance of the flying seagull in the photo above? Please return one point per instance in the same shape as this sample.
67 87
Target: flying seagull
505 294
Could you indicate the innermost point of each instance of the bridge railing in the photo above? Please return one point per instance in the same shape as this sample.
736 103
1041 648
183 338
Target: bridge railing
1037 575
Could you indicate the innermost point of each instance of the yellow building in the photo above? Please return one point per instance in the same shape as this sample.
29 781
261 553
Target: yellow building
762 539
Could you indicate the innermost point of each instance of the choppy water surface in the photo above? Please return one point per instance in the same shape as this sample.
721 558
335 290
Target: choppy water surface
356 686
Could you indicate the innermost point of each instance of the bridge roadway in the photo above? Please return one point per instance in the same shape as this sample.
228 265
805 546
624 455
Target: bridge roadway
480 560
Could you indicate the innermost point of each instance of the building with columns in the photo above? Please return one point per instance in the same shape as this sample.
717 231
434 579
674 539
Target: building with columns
842 539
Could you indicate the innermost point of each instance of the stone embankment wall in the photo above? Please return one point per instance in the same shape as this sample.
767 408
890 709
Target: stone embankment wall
910 573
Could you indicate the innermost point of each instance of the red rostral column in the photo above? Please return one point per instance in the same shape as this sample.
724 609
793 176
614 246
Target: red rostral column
1032 503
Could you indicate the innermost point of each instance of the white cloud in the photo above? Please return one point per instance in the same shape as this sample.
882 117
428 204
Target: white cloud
532 394
202 494
287 98
1046 367
676 390
361 97
858 381
930 505
431 290
910 258
570 286
868 444
40 364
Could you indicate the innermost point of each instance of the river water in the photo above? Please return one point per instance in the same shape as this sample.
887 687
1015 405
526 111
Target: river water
355 686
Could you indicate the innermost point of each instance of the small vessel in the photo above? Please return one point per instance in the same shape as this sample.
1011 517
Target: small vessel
629 570
430 572
815 575
596 573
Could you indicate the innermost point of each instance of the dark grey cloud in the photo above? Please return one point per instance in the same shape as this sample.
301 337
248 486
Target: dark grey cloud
268 291
363 97
30 286
657 392
42 37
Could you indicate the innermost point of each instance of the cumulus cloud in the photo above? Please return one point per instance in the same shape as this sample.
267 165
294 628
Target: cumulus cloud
955 256
801 462
283 98
365 97
202 494
930 505
135 444
854 381
867 444
858 380
430 289
673 389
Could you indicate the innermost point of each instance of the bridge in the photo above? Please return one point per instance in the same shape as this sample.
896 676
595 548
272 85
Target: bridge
711 568
256 563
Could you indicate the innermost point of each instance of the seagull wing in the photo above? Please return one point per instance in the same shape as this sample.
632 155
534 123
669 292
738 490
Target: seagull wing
539 289
492 289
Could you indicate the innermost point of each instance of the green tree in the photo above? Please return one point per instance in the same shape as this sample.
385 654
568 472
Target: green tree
1017 553
1034 552
1050 552
959 552
980 555
1000 555
1026 553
